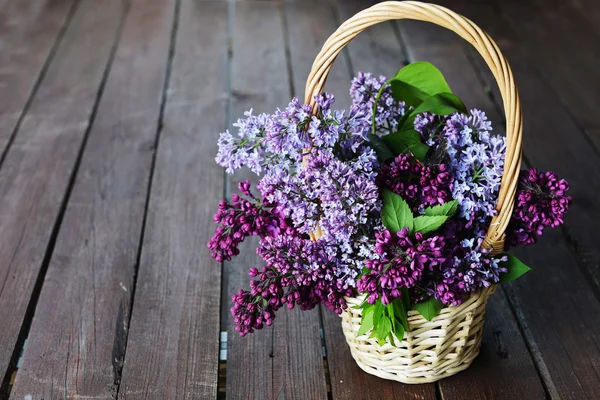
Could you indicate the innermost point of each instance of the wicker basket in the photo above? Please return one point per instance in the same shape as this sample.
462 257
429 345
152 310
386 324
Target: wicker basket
430 351
436 349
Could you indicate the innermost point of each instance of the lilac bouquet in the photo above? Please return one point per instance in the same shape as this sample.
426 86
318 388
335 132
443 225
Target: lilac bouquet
390 199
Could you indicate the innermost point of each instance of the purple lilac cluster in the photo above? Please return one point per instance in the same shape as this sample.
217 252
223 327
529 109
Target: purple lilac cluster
363 91
275 142
319 172
476 161
541 202
243 218
248 148
418 184
402 260
338 195
467 267
298 272
430 127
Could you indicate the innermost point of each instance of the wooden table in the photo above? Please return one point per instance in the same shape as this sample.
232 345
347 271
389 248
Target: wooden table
109 116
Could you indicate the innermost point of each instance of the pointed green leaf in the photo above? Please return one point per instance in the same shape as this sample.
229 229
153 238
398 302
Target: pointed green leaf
439 104
448 209
378 312
406 141
383 329
366 323
405 299
410 95
419 81
401 313
429 308
426 224
399 331
391 338
395 213
515 269
382 150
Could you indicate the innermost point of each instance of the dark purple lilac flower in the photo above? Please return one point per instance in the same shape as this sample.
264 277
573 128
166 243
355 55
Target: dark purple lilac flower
243 218
468 268
541 201
420 185
298 272
401 263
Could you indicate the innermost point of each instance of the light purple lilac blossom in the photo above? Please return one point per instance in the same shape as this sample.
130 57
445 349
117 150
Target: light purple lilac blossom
363 91
476 161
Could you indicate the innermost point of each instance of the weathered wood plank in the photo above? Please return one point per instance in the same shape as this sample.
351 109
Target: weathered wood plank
550 40
289 354
309 24
36 173
77 338
28 32
504 353
377 49
173 344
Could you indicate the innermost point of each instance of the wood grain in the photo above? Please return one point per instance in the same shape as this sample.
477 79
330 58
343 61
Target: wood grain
377 49
36 172
29 30
77 339
260 80
173 344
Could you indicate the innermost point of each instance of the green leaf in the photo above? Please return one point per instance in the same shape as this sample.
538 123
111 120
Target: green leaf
395 213
407 141
381 148
439 104
515 269
419 80
366 323
383 329
378 312
426 224
401 313
391 338
429 308
410 95
448 209
399 332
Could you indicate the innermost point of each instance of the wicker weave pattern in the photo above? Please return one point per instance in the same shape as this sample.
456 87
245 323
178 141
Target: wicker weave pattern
491 54
432 350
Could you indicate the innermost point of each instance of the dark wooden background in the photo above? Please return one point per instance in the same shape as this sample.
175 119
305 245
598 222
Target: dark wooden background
109 115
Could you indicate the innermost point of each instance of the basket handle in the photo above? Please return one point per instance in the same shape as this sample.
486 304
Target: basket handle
490 52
